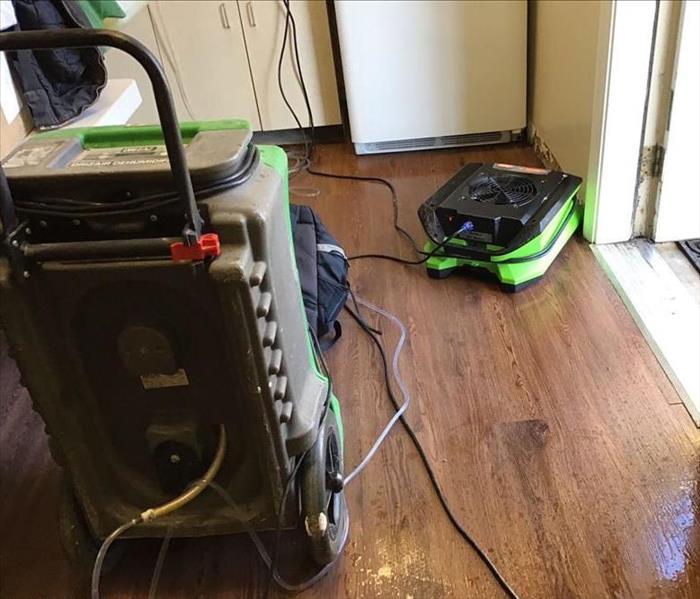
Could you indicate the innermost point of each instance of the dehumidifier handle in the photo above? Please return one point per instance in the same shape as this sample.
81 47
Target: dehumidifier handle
81 38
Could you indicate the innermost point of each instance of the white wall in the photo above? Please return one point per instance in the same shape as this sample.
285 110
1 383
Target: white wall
563 49
14 122
12 133
569 50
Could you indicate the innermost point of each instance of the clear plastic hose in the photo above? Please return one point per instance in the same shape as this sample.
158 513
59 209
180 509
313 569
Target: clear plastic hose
102 553
397 376
265 556
207 480
192 491
160 560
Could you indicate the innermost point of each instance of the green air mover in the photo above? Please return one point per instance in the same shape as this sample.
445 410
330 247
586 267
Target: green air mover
502 220
149 292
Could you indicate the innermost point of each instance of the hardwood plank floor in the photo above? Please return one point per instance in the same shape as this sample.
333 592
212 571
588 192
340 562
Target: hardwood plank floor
545 414
664 306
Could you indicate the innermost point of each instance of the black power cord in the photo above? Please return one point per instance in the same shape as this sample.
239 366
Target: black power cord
478 254
290 23
359 319
302 83
395 206
365 327
69 208
426 255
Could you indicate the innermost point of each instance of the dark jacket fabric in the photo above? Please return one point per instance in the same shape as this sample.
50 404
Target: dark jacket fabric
56 85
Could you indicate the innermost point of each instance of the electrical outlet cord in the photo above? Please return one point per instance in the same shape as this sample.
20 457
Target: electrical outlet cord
156 512
394 202
397 376
90 209
500 579
425 257
398 416
305 162
272 561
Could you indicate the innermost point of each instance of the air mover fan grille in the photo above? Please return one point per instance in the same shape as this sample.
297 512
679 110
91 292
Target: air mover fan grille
502 189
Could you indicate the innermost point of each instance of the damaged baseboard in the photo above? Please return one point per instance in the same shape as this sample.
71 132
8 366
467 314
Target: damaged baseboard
541 149
648 184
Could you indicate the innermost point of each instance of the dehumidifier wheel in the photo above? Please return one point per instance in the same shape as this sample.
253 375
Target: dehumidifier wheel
324 509
79 544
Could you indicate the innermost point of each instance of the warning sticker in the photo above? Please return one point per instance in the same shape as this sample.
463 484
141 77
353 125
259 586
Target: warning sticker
132 162
30 156
127 156
161 381
141 150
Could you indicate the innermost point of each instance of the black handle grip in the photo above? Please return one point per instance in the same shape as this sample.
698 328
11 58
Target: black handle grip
81 38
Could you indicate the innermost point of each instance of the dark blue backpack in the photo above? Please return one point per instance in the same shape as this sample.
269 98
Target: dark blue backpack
323 273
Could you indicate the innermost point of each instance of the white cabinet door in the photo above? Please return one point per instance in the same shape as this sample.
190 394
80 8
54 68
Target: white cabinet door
263 25
122 66
202 49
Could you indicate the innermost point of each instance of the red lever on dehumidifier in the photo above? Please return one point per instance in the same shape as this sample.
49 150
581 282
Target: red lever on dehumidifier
207 246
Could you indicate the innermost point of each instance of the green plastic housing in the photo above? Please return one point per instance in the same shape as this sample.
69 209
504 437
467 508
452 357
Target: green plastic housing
524 265
244 356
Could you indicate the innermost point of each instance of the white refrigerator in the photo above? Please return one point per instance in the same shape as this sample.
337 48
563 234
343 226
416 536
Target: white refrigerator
431 74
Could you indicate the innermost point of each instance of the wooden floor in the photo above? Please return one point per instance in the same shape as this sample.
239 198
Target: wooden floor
555 433
661 290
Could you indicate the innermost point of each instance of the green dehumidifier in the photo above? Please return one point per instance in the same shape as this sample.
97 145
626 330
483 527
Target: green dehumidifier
150 296
505 221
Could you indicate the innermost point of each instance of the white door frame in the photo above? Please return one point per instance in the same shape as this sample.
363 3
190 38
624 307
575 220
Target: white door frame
626 41
676 213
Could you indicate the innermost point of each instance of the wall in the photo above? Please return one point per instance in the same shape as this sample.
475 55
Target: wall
562 60
12 133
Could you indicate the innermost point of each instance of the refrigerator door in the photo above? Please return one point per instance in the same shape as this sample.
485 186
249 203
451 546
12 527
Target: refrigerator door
422 70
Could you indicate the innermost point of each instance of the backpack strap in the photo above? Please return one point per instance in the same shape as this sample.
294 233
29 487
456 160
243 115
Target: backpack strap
327 342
